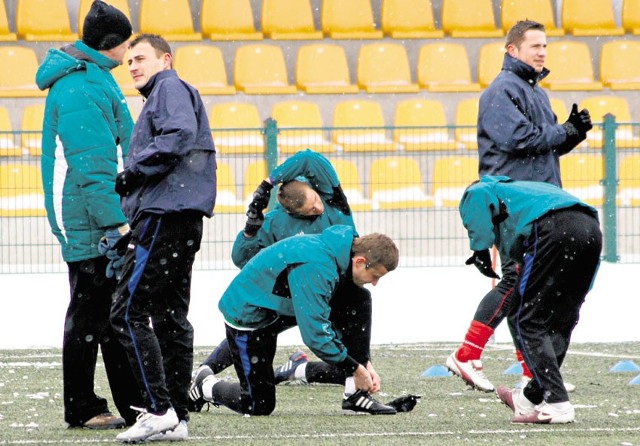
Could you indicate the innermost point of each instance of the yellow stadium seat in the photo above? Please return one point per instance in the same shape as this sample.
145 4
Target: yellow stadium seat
237 128
466 122
31 126
85 5
490 58
228 20
629 181
445 67
44 20
618 106
451 176
560 109
592 19
541 11
172 19
469 18
582 175
203 67
260 69
409 19
8 146
226 197
384 68
571 69
347 172
300 127
124 80
21 190
254 173
426 126
631 16
5 33
18 73
323 69
348 19
284 19
620 64
396 183
371 137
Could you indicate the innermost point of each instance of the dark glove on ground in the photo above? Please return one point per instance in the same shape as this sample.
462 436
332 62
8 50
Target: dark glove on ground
339 201
581 121
127 182
405 403
114 245
482 261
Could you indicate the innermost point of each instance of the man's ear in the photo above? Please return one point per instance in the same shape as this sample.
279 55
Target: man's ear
359 261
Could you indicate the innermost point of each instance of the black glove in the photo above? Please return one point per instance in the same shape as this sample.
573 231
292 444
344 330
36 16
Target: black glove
339 201
580 121
127 181
114 245
259 202
255 218
405 403
482 261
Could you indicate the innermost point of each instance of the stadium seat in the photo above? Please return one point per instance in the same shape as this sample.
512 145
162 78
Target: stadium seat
469 18
347 172
237 128
620 64
571 67
124 80
618 106
409 19
490 58
592 19
511 11
348 19
260 69
254 173
5 33
221 21
582 175
8 146
203 67
21 190
172 19
396 183
367 114
445 67
226 197
451 176
629 181
31 127
17 77
384 68
323 69
43 20
466 123
560 109
85 5
428 126
631 16
300 127
284 19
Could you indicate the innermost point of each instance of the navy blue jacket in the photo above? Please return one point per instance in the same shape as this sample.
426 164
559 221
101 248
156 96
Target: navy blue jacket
518 133
172 147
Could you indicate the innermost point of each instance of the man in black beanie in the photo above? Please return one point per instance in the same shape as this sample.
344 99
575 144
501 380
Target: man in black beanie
86 131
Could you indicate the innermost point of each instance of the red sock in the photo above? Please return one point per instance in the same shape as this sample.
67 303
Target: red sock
525 370
474 341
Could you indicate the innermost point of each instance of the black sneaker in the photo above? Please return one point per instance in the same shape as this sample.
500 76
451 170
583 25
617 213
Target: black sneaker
286 372
196 399
361 403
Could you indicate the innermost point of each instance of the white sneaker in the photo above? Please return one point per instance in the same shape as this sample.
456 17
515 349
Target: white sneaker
471 372
546 413
515 400
149 424
179 433
524 380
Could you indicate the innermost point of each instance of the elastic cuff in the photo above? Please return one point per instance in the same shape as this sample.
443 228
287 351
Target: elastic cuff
349 365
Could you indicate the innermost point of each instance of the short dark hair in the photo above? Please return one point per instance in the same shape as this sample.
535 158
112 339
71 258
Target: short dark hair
515 35
157 43
378 249
291 195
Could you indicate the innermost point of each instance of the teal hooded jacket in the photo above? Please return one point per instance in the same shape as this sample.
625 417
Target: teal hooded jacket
85 137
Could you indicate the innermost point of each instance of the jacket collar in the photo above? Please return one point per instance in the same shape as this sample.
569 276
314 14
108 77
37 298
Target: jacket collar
523 71
148 87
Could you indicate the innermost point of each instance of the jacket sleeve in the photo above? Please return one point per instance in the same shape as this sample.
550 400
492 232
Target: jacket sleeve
314 167
245 248
477 209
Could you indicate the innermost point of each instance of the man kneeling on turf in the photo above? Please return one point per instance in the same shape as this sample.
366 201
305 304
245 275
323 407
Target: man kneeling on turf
291 283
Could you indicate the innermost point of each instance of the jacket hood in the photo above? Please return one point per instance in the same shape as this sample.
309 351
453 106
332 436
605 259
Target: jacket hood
523 70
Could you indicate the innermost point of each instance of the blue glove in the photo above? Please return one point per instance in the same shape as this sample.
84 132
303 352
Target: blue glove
114 245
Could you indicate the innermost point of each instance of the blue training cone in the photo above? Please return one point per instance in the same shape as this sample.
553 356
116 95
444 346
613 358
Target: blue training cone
635 381
513 369
436 371
625 366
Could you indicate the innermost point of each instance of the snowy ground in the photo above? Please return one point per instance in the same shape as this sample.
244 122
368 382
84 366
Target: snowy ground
410 305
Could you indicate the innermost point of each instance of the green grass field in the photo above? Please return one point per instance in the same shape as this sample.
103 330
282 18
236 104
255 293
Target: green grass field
607 407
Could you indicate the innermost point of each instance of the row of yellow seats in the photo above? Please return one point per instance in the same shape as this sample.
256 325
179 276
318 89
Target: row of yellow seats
357 126
339 19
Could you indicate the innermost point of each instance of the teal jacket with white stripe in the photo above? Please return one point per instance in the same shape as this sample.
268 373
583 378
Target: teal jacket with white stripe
85 136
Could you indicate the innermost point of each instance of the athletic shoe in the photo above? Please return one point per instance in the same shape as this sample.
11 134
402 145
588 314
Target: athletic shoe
105 420
524 380
471 372
149 424
179 433
287 371
546 413
361 403
196 400
516 401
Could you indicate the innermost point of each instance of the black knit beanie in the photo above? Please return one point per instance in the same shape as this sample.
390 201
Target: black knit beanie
105 27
